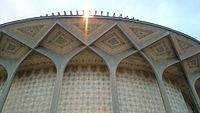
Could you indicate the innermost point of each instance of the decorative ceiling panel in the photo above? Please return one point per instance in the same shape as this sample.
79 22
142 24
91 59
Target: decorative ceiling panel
160 50
60 41
113 42
32 30
193 64
135 61
94 30
142 34
185 45
11 49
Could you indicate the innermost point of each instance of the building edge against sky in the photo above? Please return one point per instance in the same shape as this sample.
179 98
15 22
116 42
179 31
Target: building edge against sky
57 64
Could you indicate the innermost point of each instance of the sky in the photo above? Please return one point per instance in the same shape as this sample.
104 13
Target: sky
181 15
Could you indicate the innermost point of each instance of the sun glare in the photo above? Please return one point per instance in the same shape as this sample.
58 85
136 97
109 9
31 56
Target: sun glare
86 17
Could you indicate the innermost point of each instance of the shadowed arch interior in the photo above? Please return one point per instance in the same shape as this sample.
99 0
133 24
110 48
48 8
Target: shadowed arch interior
197 86
137 86
86 85
32 87
177 89
3 77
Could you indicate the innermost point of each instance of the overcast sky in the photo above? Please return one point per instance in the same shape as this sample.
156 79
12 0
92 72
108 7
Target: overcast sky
181 15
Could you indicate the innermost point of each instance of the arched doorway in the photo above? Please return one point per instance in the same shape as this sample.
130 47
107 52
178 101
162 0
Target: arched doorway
138 90
86 85
32 87
177 90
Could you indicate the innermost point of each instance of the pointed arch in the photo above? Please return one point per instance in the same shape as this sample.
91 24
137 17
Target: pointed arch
86 85
32 85
136 83
3 77
177 89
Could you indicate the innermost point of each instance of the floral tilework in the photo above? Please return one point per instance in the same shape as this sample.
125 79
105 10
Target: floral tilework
175 97
31 92
138 92
85 89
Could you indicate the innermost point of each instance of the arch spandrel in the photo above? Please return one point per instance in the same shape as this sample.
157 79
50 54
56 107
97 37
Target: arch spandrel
177 89
33 84
86 80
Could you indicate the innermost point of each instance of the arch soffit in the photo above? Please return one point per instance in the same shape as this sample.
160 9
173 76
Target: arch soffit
91 54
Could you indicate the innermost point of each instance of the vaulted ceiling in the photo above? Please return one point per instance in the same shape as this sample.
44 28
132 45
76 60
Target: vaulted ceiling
112 36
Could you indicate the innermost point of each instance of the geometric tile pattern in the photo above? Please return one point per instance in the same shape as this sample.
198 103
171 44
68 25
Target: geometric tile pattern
12 49
31 30
91 27
141 33
95 28
113 42
85 89
60 41
138 92
160 50
193 63
31 92
184 44
175 97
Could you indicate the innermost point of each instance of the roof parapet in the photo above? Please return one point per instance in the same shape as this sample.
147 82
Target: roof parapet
95 13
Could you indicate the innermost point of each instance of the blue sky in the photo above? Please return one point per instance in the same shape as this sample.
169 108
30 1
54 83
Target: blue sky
181 15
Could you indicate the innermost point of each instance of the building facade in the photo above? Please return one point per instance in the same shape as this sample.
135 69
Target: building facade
63 64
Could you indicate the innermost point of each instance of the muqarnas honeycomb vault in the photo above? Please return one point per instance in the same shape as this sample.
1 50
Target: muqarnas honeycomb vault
53 64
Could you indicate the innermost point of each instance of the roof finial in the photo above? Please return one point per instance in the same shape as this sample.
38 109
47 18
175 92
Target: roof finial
77 12
113 14
101 13
107 13
71 13
95 13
